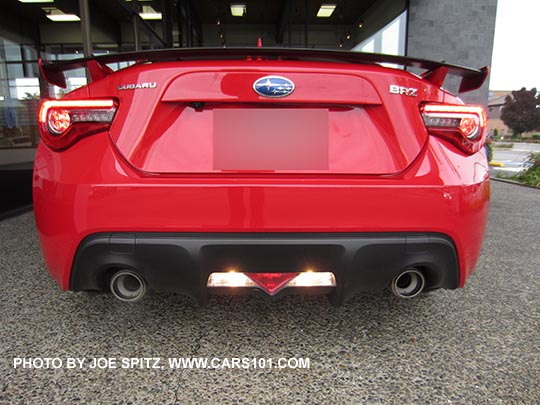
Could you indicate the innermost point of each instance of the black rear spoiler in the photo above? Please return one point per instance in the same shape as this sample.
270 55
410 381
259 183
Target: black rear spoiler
435 72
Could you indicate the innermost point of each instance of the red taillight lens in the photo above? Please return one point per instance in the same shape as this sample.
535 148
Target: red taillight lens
463 125
64 122
59 121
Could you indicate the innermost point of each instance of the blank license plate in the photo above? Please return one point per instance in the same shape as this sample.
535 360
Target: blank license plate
270 139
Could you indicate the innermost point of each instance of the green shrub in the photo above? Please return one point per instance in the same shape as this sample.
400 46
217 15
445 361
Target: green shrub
536 137
505 145
531 176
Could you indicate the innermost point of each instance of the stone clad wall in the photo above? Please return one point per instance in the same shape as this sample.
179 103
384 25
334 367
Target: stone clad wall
456 31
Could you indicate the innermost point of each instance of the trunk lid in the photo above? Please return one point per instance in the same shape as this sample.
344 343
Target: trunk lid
206 117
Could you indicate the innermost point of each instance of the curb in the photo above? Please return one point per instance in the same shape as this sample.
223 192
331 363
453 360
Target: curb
517 183
16 211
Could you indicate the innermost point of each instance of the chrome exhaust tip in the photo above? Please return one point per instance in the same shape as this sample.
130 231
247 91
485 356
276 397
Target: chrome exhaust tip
408 284
127 286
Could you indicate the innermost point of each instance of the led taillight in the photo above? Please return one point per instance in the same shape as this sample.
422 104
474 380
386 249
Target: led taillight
64 122
58 121
464 125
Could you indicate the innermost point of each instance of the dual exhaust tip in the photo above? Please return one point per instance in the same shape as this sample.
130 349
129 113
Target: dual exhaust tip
408 284
128 286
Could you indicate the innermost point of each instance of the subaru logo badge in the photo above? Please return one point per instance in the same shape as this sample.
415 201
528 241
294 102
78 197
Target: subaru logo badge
273 86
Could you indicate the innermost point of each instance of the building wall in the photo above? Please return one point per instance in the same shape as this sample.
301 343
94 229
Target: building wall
456 31
245 35
497 124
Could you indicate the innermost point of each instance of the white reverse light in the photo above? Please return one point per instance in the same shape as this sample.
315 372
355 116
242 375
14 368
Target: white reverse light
230 279
304 279
313 279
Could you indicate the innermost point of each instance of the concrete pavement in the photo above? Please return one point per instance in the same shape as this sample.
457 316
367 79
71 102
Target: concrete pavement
476 345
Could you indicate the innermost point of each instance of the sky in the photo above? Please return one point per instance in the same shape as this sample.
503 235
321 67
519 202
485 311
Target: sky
516 50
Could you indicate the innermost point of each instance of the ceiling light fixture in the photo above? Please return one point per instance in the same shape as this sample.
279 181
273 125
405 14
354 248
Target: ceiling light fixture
57 15
36 1
148 13
238 9
326 10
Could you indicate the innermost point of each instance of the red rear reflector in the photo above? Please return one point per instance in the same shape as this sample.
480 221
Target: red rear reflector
271 282
64 122
464 125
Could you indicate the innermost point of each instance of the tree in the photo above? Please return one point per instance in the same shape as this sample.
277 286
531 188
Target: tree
521 111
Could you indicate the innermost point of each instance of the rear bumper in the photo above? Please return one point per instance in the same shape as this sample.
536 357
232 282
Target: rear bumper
81 197
182 262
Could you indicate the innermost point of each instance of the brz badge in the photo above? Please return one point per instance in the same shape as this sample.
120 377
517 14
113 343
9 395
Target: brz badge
404 91
273 86
134 86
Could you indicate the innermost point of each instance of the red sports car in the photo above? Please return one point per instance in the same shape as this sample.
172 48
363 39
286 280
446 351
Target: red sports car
265 171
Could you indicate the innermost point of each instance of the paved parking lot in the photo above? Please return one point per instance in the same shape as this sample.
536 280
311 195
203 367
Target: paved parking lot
512 161
475 345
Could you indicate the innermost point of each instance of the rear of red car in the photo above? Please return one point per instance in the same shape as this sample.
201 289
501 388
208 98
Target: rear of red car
261 171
